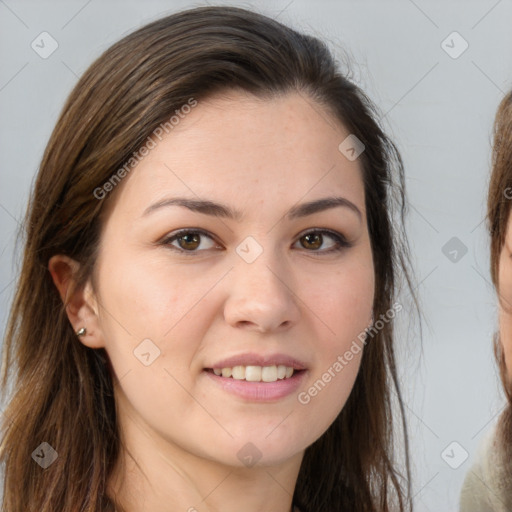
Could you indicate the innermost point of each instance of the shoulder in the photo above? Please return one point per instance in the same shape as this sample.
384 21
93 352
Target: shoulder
485 486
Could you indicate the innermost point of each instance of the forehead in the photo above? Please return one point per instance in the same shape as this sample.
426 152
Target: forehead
249 149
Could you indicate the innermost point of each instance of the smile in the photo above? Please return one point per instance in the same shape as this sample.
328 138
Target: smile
255 373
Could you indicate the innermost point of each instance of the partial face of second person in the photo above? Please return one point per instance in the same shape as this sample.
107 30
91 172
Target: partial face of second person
200 300
505 297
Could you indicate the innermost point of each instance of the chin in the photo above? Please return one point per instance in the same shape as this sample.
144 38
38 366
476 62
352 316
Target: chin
257 452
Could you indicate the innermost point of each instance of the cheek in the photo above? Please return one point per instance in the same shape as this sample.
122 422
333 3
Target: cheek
343 300
152 320
150 298
154 302
342 303
505 281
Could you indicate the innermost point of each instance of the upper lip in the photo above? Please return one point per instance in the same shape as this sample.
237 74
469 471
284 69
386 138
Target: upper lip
252 359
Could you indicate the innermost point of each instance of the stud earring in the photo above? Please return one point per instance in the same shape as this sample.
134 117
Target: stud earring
81 331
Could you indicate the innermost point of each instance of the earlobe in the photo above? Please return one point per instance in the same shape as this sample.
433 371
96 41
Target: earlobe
80 303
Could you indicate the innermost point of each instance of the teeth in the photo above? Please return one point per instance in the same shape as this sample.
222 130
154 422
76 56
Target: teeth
238 372
269 373
253 373
256 373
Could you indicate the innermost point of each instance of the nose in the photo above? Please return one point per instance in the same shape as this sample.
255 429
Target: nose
261 296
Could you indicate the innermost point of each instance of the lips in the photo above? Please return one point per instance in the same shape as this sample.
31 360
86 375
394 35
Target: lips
258 390
258 377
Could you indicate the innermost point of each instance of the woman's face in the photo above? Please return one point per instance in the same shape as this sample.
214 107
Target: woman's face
505 297
264 288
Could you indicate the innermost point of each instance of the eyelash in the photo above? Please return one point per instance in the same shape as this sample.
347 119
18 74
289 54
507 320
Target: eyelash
341 241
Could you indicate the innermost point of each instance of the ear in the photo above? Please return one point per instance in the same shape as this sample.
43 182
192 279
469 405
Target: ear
81 304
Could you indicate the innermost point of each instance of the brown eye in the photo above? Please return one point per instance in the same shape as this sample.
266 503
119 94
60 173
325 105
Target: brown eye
315 239
189 241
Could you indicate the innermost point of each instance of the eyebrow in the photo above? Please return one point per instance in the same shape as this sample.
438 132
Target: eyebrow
207 207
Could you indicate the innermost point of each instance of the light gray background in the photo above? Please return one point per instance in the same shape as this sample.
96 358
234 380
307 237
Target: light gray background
438 109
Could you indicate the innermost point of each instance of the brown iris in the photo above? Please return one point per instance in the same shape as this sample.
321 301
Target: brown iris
313 239
192 241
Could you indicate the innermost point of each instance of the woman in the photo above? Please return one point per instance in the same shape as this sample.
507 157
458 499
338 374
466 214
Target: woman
488 484
215 211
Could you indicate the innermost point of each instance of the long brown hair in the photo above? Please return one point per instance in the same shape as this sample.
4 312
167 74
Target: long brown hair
498 216
62 391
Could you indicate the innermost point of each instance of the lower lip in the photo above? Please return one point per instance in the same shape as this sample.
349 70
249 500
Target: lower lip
259 391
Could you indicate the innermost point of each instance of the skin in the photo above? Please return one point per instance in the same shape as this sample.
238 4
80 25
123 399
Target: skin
505 298
261 157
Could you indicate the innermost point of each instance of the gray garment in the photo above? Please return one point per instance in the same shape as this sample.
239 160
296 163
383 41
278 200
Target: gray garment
486 487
